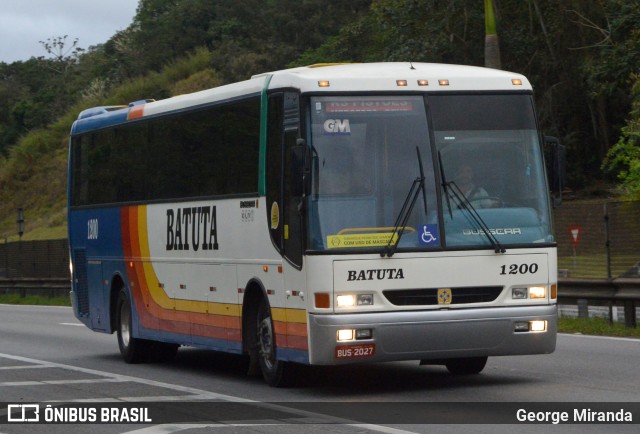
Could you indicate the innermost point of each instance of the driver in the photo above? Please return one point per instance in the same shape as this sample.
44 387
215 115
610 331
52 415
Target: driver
475 194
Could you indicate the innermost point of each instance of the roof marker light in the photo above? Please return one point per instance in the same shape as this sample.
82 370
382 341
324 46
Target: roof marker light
516 82
443 82
423 82
401 83
324 83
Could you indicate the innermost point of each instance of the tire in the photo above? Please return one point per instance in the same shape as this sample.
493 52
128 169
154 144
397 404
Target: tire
276 373
466 366
133 350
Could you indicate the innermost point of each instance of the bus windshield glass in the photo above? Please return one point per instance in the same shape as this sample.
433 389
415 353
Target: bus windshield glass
366 154
367 179
491 161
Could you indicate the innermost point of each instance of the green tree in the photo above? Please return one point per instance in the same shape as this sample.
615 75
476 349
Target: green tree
491 42
623 159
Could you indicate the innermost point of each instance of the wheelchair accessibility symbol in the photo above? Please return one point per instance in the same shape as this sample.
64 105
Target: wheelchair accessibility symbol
428 235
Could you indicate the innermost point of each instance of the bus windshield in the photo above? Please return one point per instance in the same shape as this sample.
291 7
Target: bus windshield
365 161
485 163
490 155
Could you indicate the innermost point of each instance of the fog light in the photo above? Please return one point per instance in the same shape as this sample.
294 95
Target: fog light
537 292
345 335
346 300
538 326
519 293
521 326
364 333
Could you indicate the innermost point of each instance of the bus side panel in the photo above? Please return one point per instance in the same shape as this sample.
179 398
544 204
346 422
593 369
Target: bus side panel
179 297
184 297
94 240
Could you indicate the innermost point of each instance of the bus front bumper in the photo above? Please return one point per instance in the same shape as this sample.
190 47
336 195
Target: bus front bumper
431 334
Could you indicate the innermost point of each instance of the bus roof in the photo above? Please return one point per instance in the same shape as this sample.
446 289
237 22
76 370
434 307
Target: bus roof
356 77
402 76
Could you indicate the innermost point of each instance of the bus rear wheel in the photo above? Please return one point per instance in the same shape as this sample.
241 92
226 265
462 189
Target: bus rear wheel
466 366
276 373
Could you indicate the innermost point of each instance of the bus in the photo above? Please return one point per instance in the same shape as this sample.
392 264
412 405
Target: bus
323 215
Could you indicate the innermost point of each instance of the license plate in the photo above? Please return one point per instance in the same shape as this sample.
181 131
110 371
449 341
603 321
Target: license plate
355 351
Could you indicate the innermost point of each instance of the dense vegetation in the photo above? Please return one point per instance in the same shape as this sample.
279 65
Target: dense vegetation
581 55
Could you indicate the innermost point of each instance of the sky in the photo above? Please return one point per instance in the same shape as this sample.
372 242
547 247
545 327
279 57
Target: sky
23 23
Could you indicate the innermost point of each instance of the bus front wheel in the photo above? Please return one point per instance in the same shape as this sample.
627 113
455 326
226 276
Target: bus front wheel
275 372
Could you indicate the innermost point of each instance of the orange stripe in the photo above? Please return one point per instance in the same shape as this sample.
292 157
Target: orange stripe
136 112
155 317
292 342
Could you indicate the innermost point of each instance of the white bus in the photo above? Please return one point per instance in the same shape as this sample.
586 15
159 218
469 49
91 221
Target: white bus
321 215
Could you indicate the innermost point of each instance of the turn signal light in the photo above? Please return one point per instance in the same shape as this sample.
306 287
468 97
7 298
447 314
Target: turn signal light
322 300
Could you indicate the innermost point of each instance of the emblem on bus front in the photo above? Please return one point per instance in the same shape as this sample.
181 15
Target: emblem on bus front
444 295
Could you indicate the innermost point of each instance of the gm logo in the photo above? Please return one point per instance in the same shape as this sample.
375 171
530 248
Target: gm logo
337 127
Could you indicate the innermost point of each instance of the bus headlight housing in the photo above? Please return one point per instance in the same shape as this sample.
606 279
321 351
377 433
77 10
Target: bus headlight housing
353 300
537 292
531 292
535 326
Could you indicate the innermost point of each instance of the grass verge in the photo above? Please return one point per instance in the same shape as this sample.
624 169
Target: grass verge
38 300
596 326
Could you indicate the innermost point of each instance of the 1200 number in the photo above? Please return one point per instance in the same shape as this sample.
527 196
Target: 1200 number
519 269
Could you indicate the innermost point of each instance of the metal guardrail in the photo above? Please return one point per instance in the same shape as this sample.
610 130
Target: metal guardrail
625 291
47 287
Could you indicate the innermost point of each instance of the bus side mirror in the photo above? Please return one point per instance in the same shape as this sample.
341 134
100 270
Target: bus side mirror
300 173
555 157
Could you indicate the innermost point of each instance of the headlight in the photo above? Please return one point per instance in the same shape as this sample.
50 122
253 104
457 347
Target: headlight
532 292
537 292
352 300
346 300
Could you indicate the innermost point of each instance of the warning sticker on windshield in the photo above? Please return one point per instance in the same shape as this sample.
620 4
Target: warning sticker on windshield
360 240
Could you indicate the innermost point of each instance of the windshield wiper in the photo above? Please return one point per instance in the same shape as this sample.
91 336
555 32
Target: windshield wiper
452 189
445 184
405 211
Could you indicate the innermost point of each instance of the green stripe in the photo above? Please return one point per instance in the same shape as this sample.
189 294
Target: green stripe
262 162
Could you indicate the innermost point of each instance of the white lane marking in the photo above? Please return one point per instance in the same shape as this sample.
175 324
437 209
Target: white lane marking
612 338
24 367
172 428
195 394
75 324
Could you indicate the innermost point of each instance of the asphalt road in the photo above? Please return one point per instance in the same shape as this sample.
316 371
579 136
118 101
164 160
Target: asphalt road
47 357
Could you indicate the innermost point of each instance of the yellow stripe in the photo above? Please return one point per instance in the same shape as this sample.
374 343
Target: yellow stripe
289 315
153 285
163 300
196 306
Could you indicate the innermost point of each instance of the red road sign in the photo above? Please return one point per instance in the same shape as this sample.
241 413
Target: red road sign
576 232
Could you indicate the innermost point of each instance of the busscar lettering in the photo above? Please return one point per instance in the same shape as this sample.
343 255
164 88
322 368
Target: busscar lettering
493 231
375 274
192 228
